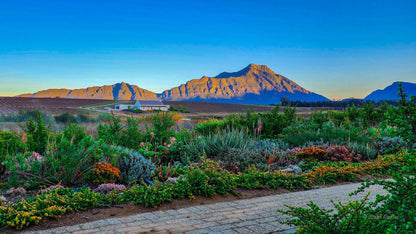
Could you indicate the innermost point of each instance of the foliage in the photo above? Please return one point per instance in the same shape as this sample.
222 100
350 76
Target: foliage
67 117
104 173
217 144
68 158
312 153
131 134
266 125
10 144
348 218
389 145
299 134
106 188
271 146
391 213
23 116
206 178
180 109
404 117
162 127
110 133
255 179
238 160
37 134
134 167
341 153
51 204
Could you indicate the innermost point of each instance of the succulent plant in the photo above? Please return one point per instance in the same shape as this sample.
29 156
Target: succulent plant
134 167
271 146
389 145
237 159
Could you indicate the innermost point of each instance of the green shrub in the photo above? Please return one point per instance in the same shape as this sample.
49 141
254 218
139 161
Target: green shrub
51 204
110 133
162 127
66 160
366 151
10 144
66 117
391 213
37 134
207 179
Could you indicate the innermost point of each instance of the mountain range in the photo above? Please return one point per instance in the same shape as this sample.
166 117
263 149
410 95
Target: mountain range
390 92
255 84
119 91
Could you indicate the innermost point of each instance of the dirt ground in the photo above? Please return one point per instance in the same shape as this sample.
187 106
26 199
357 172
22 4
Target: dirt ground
52 105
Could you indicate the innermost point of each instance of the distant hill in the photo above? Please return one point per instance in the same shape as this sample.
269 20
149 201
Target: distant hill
255 84
119 91
390 92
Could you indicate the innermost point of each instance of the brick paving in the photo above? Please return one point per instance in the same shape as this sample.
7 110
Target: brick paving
255 215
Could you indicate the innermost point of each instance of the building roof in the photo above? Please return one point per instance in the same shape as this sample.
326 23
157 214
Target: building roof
150 103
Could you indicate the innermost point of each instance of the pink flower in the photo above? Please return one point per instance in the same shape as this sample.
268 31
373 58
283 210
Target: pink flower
142 144
36 156
152 134
172 140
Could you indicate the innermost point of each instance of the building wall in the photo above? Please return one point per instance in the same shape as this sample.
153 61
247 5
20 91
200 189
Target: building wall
122 107
145 108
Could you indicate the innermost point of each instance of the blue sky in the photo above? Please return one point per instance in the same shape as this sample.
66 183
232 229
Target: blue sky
335 48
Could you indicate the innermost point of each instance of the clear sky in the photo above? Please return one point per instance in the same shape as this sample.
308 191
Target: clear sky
335 48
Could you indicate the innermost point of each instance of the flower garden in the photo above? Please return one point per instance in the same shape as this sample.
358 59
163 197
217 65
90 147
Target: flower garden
46 174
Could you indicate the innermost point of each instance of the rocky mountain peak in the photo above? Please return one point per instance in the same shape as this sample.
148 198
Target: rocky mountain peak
254 84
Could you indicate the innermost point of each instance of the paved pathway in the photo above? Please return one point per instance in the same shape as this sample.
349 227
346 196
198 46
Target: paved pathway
255 215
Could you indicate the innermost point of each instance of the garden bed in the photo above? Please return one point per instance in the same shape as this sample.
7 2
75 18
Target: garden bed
75 173
122 210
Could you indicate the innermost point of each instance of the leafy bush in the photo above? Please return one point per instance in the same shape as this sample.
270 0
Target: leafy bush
180 109
162 127
299 134
10 144
51 204
341 153
66 117
134 167
67 159
207 179
104 173
37 134
23 116
404 117
392 213
312 153
110 133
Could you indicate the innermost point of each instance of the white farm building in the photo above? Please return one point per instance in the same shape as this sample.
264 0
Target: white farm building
144 105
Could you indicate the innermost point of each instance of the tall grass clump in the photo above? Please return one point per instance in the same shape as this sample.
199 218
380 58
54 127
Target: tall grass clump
216 144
